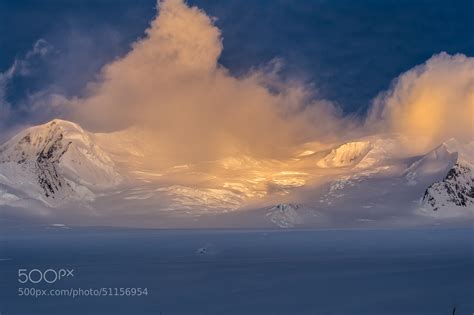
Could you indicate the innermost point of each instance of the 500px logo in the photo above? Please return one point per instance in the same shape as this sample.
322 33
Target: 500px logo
48 275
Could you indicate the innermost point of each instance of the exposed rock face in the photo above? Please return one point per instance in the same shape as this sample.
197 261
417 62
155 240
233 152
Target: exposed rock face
456 189
47 160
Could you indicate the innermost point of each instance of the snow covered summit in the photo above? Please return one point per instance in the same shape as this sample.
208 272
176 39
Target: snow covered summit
54 163
368 181
348 154
455 192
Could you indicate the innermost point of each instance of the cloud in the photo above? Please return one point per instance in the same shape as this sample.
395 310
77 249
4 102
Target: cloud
429 103
21 67
171 85
189 107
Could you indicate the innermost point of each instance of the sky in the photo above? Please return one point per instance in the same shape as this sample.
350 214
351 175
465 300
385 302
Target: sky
315 65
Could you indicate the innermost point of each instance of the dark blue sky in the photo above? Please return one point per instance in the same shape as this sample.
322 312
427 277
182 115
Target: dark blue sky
349 49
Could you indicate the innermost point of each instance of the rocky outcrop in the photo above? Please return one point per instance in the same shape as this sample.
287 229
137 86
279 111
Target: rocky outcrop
456 189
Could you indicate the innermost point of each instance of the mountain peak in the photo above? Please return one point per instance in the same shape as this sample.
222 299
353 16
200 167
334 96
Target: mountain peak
465 151
456 189
64 125
50 138
347 154
57 160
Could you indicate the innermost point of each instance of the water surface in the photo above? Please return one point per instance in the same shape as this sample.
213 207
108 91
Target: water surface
366 272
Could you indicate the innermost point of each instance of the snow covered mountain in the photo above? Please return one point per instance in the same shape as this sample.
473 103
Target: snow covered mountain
366 181
454 194
382 183
439 160
348 154
55 163
455 190
285 215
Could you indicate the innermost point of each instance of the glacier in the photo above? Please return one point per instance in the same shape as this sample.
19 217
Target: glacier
58 170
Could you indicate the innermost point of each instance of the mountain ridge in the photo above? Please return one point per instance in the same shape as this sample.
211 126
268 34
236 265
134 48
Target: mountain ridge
59 164
60 158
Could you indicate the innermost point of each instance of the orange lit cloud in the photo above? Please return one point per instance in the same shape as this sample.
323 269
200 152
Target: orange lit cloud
171 85
430 103
190 108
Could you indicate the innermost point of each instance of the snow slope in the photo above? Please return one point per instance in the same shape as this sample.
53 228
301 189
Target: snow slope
348 154
366 181
285 215
436 161
454 194
455 190
55 163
